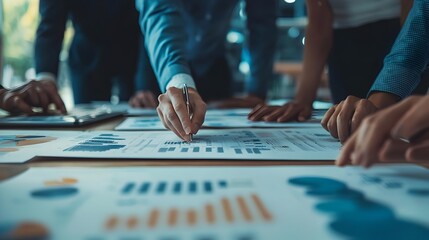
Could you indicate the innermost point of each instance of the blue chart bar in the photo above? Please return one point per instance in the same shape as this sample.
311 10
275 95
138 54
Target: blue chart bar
128 188
209 149
208 187
196 149
144 188
184 150
177 187
238 151
192 187
222 184
220 149
257 151
161 187
163 150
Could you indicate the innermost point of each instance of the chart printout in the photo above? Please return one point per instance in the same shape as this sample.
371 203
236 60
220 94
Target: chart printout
384 202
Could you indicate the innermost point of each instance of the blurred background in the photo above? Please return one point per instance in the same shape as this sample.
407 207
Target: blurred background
19 20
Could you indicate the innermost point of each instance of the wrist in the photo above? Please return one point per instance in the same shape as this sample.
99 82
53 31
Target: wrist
382 99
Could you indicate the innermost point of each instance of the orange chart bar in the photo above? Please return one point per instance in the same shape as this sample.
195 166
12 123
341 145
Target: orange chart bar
132 222
173 215
153 218
210 214
191 217
261 208
226 205
111 223
244 209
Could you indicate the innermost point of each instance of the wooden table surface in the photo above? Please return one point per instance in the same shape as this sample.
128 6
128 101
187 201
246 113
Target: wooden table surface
9 170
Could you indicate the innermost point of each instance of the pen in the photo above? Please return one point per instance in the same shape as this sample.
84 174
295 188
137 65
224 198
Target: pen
188 104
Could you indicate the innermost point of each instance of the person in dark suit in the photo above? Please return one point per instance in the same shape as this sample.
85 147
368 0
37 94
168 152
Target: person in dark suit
103 51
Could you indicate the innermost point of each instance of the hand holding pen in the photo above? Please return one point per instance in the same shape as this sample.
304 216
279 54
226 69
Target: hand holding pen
182 113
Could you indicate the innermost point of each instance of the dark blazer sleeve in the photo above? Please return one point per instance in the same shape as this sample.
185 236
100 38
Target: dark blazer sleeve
50 34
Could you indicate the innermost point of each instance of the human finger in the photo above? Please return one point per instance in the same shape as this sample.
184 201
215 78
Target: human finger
393 151
273 114
16 105
345 154
332 123
170 116
290 114
264 111
344 119
418 153
327 117
415 119
179 115
199 109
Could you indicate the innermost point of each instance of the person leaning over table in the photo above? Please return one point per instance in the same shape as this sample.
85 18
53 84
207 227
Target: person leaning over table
103 51
352 37
401 74
399 132
21 100
185 41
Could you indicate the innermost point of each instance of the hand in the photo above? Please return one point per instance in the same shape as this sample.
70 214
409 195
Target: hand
238 102
173 112
143 99
397 133
32 94
344 118
289 112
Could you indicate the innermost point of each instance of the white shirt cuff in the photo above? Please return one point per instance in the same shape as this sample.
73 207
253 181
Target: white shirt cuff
179 79
46 75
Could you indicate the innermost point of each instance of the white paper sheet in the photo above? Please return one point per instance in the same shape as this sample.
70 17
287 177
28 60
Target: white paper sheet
20 146
154 123
296 202
237 144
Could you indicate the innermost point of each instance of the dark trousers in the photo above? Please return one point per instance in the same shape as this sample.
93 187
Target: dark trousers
357 56
214 84
97 86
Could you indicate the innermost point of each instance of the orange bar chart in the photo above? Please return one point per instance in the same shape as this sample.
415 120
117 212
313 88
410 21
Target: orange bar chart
240 209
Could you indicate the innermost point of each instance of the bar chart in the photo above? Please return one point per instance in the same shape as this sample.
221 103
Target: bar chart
239 209
191 187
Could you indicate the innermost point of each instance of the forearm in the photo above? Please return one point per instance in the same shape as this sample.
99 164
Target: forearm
317 47
383 100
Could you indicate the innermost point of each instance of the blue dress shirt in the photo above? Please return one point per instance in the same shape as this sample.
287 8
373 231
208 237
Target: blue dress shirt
408 59
178 32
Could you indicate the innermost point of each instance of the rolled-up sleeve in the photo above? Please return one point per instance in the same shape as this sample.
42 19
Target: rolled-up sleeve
162 25
261 44
409 56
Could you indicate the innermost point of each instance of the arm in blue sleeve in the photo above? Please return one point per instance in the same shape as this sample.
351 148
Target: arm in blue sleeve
261 44
50 35
165 37
409 56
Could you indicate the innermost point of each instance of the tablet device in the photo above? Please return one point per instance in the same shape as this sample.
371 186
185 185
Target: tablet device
70 120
